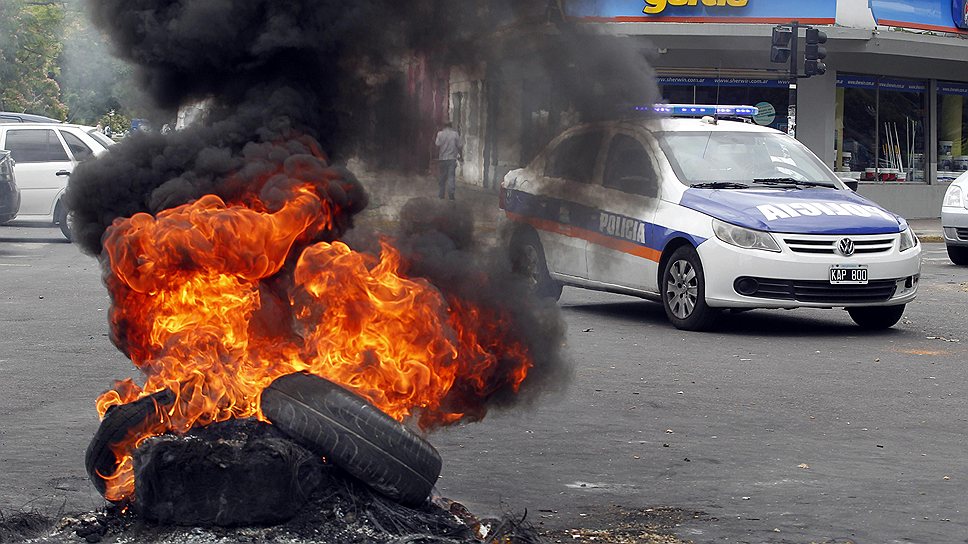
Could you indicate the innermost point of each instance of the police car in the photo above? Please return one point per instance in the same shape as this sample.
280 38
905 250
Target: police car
706 214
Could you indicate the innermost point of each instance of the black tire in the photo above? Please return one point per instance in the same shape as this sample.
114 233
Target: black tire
528 260
355 435
683 287
117 422
4 219
958 255
62 221
876 317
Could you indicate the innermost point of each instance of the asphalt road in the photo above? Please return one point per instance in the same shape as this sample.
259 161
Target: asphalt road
780 427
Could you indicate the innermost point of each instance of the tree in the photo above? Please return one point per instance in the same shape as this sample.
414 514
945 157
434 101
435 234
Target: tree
29 51
93 81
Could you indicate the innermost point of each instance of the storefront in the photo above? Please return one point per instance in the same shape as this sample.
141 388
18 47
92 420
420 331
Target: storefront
889 110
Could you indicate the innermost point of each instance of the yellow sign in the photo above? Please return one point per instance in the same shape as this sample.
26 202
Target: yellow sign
654 7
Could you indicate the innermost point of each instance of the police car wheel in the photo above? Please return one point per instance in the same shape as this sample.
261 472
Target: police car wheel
527 259
958 255
876 317
684 291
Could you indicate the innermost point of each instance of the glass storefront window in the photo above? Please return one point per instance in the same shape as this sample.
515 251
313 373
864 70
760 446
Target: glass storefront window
952 140
770 96
880 128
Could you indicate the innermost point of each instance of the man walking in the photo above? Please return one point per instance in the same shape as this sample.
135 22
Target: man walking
449 150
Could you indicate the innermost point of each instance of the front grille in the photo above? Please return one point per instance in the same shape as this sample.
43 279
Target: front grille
827 245
962 233
818 291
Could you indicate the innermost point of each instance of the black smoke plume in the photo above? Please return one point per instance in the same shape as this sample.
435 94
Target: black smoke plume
283 80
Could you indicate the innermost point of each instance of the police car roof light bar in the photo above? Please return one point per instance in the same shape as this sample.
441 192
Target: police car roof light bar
700 110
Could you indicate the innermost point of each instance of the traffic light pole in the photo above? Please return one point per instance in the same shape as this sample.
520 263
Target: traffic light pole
794 61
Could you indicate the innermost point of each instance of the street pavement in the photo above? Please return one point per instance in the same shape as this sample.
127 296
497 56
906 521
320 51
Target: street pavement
785 427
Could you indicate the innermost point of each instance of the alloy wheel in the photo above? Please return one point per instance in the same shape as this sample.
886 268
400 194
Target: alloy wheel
682 289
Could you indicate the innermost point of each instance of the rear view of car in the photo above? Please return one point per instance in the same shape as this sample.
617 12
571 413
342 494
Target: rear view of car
9 192
954 220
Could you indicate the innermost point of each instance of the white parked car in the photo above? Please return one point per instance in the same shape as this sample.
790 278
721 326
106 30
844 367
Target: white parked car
45 154
954 220
705 214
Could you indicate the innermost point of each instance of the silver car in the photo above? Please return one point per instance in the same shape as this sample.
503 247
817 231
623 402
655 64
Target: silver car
954 220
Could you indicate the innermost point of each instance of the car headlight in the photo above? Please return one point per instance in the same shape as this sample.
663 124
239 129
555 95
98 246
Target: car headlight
743 237
953 197
908 240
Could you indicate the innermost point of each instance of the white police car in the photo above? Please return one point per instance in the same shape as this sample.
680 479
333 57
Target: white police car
705 214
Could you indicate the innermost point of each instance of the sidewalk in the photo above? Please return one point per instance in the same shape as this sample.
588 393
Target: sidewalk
927 230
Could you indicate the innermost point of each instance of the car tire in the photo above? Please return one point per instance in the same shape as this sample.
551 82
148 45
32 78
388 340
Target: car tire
683 287
528 260
876 317
117 423
958 255
62 221
4 219
354 434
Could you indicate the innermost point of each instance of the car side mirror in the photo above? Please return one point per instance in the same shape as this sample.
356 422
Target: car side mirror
851 183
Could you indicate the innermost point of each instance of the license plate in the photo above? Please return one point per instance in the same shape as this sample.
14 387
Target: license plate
854 274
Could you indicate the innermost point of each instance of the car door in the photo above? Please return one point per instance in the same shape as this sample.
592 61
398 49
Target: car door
42 166
568 181
620 253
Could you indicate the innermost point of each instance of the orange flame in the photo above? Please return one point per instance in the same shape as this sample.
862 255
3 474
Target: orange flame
215 300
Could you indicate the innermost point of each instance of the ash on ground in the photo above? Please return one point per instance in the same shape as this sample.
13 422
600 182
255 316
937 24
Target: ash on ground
347 514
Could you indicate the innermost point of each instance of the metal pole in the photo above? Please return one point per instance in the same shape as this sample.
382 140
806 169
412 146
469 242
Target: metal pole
794 62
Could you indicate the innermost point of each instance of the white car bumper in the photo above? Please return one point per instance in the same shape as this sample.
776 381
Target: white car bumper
792 279
954 223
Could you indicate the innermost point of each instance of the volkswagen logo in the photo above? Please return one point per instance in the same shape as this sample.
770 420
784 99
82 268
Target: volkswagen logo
846 246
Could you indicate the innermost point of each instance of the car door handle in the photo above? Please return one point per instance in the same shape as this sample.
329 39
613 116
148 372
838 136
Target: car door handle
62 173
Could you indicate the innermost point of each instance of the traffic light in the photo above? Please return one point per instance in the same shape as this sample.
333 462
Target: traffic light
814 53
780 51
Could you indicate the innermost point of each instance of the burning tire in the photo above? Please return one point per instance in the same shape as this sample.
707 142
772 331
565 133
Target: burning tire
354 435
117 422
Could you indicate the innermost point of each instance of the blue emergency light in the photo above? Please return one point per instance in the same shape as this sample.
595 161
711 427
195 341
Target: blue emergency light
700 110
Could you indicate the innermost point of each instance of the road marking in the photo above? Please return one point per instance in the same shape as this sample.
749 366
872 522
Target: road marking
16 264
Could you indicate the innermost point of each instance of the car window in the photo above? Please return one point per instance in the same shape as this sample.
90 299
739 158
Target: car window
574 157
100 137
628 167
699 157
35 146
79 149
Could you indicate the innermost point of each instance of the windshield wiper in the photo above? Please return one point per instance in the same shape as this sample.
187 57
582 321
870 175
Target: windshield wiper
791 181
719 185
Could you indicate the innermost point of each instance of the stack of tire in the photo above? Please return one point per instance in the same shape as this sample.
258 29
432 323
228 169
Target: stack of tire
319 415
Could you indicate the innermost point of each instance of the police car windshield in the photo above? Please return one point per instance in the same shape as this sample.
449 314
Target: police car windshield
741 157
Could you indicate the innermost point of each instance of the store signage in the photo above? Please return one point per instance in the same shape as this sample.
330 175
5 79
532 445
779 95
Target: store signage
947 87
885 83
654 7
684 81
959 13
686 11
936 15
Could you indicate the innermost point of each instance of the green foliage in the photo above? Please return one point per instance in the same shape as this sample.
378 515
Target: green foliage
94 82
29 49
119 123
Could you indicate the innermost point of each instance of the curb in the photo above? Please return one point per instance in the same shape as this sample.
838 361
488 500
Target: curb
930 238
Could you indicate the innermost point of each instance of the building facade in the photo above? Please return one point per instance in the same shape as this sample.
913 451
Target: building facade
889 110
